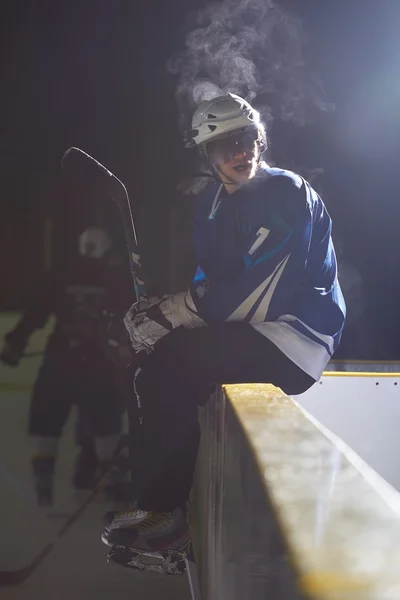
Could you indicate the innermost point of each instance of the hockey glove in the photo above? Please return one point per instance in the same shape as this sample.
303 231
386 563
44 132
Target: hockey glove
146 327
11 354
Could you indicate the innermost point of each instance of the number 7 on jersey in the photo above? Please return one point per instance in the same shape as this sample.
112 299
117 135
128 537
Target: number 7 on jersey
262 235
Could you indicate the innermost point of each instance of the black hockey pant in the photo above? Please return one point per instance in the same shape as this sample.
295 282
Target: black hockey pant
179 375
66 379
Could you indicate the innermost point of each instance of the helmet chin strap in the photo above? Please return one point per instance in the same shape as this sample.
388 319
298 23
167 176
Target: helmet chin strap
214 172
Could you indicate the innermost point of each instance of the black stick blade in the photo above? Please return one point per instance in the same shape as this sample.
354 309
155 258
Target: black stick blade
78 161
88 169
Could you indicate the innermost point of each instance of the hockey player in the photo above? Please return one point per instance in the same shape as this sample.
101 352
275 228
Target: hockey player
75 368
265 306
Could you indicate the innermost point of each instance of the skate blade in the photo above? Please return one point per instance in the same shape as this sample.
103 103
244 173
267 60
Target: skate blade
161 555
106 541
163 563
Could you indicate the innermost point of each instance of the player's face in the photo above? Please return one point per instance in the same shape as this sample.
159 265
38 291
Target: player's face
236 156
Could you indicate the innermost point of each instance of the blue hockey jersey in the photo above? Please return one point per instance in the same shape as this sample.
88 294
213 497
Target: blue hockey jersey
265 256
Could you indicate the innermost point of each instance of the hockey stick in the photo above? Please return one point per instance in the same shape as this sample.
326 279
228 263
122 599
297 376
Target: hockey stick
20 575
98 176
95 174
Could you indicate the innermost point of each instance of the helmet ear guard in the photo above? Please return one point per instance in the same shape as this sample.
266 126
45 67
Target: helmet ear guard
189 137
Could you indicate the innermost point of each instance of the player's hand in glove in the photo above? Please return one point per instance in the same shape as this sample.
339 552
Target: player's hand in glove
148 324
11 354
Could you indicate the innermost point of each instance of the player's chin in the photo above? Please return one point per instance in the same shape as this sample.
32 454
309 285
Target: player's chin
243 174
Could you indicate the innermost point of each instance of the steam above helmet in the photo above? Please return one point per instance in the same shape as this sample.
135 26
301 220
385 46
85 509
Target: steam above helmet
222 115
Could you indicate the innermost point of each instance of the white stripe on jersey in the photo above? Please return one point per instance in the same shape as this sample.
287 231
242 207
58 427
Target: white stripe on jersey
327 339
262 310
245 307
307 354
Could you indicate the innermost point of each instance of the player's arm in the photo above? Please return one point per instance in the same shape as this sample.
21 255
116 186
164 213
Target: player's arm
36 315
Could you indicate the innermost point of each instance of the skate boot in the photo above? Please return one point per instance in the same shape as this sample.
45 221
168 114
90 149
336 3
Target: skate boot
116 520
43 473
159 542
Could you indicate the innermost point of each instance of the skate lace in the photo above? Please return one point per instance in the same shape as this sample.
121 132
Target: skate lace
155 519
129 514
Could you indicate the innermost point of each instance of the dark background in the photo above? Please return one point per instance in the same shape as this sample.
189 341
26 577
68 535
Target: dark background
92 74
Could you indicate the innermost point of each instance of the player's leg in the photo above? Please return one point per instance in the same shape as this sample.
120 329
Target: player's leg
48 413
171 383
100 401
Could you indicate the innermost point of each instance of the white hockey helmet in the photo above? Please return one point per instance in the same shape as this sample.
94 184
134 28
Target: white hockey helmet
94 242
220 116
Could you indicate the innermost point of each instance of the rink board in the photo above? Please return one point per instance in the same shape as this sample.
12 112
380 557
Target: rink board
284 509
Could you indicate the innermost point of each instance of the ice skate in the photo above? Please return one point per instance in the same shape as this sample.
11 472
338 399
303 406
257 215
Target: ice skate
43 473
165 562
44 493
159 542
116 520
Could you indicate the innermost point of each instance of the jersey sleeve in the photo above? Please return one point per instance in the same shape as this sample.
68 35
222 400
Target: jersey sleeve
270 234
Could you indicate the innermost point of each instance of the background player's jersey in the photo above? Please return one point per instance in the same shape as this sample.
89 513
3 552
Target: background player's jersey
77 296
265 256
